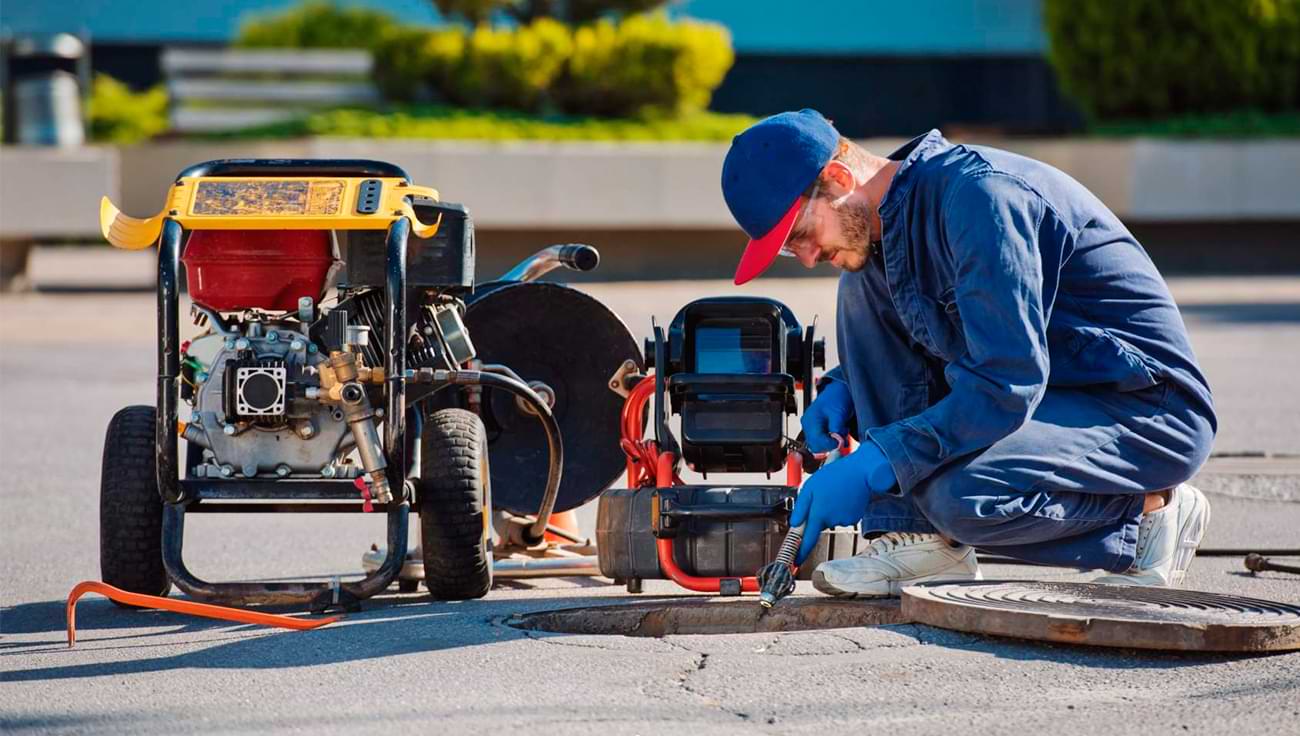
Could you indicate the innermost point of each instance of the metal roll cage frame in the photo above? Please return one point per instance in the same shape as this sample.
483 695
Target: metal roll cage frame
180 496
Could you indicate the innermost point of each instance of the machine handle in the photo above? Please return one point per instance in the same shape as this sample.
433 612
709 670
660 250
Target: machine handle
578 257
664 548
574 256
668 563
729 512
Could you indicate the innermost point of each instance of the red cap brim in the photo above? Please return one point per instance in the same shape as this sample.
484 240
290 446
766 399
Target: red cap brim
761 252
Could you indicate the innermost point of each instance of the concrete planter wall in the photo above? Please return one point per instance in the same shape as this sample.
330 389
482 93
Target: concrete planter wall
663 197
675 186
636 185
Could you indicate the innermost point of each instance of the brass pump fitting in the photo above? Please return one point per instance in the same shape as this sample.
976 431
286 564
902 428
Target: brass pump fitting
344 367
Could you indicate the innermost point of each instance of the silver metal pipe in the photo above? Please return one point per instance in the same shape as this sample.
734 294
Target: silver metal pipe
535 266
582 565
573 256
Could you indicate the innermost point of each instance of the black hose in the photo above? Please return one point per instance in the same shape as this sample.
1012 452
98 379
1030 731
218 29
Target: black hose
535 533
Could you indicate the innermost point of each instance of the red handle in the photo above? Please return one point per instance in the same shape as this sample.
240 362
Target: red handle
748 584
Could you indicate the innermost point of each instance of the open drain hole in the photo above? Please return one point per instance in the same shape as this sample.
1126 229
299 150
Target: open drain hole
711 616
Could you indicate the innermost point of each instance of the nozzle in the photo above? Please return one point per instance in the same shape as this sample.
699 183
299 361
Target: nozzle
776 579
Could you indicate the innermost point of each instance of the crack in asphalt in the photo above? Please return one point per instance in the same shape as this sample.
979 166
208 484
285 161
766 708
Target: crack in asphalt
928 636
683 681
554 640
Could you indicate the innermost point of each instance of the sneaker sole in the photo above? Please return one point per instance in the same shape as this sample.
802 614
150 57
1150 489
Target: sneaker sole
891 588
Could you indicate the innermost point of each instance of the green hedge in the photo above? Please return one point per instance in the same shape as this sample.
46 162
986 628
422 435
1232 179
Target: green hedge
118 115
451 123
641 65
317 24
486 67
1126 59
645 65
510 68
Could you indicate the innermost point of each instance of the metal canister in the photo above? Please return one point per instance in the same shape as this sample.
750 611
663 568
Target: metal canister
49 110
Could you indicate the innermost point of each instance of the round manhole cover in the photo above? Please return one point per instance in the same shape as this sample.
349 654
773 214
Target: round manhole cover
1107 615
710 616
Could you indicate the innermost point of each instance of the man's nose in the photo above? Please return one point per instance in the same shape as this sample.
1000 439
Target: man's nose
808 256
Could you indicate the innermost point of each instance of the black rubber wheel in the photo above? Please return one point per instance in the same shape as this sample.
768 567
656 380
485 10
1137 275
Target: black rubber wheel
130 507
455 506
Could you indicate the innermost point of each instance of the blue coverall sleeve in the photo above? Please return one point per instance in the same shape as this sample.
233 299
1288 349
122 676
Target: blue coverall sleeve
991 227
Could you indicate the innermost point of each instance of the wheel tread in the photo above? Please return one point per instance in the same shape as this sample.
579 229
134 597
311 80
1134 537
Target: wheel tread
457 557
130 507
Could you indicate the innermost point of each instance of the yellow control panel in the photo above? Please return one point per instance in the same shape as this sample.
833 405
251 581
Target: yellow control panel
272 203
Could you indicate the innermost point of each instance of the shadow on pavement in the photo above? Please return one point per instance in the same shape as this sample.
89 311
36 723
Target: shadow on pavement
388 626
1077 655
393 625
94 288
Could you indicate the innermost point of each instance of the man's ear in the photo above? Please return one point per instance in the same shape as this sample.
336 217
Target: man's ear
840 177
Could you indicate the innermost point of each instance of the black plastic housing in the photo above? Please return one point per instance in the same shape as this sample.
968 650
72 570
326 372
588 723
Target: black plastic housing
730 367
445 261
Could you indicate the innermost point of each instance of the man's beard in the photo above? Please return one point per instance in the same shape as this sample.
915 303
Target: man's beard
855 226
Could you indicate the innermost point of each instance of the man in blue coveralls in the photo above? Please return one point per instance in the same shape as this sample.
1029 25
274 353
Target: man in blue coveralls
1010 359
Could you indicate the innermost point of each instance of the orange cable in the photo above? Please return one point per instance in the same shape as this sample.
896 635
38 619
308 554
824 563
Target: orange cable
207 610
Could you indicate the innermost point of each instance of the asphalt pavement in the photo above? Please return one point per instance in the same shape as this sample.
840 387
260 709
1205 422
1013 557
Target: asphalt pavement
70 356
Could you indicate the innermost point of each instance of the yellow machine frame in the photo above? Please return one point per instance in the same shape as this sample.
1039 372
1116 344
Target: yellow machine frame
268 203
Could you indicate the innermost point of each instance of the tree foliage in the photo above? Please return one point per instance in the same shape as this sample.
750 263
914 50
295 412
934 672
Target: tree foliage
573 12
1154 58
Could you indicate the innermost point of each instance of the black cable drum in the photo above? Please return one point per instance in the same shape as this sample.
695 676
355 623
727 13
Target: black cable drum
568 340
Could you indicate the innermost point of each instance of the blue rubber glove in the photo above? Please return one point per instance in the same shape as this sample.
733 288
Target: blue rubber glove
831 411
837 495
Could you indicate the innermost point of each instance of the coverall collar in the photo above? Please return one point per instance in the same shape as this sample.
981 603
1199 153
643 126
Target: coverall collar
908 154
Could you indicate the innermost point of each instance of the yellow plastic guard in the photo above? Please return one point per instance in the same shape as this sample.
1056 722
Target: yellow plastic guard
272 203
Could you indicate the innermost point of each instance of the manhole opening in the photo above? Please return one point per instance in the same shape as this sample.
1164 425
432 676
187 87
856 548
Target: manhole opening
711 616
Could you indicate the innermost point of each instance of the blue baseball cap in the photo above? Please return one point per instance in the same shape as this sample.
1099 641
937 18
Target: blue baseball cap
767 170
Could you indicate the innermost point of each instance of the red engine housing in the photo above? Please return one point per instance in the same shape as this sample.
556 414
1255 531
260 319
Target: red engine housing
230 270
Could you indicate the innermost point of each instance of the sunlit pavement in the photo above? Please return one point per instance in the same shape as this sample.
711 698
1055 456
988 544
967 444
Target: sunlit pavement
70 358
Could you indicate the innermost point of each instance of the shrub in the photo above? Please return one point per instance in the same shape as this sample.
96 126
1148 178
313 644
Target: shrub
448 123
317 24
118 115
414 64
573 12
511 68
1154 58
645 65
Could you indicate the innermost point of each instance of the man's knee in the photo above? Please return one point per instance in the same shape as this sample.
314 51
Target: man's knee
948 501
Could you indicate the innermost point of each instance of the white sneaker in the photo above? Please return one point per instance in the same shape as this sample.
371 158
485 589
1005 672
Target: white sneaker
1167 541
893 561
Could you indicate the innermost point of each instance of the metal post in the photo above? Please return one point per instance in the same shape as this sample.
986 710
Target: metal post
169 248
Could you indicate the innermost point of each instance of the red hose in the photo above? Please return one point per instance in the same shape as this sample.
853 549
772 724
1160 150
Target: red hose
642 454
646 466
